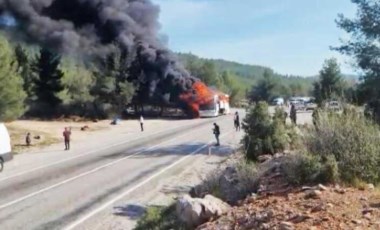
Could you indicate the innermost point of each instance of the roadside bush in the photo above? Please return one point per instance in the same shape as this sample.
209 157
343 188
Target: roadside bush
349 139
263 134
159 218
232 184
302 168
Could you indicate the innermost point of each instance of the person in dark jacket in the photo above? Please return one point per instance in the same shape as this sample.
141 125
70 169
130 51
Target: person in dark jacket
28 140
216 131
237 121
293 114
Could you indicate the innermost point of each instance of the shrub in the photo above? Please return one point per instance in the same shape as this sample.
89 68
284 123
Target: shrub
303 168
232 184
159 218
351 140
264 135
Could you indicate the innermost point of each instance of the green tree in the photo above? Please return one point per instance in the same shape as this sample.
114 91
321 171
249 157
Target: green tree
25 70
265 90
364 48
330 82
48 81
77 77
12 95
111 85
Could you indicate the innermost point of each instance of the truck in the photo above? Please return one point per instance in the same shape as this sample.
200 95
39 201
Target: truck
5 146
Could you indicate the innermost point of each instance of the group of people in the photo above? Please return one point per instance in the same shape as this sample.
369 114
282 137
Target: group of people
216 129
67 135
67 132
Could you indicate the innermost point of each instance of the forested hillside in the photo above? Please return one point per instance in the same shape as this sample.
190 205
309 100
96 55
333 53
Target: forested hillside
247 76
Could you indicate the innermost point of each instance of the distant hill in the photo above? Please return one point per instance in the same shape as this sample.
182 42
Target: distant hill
248 75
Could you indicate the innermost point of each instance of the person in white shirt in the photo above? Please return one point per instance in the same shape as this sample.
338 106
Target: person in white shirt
142 123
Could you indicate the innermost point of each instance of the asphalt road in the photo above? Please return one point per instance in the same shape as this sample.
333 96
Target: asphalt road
57 191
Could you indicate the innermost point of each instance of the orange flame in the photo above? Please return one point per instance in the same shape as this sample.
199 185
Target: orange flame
200 95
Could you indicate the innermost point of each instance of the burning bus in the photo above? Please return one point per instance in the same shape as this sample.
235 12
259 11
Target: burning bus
203 101
218 105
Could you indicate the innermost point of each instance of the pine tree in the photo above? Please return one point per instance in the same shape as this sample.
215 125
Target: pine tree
12 95
48 82
330 84
25 70
111 85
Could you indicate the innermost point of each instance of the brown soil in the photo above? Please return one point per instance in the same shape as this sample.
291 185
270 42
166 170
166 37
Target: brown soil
279 206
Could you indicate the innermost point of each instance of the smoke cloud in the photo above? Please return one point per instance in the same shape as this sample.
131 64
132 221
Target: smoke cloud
94 28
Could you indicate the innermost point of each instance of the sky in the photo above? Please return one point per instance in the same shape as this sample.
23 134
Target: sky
290 36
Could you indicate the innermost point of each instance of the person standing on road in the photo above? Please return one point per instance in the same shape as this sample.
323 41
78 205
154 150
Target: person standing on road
293 114
28 140
142 123
217 134
237 121
66 136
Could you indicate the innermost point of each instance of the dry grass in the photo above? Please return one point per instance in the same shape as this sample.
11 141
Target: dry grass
50 132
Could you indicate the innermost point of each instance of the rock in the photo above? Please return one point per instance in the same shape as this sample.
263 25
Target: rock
300 218
370 187
368 216
286 226
340 190
195 211
363 198
318 208
315 194
322 187
306 188
368 210
329 205
264 158
358 222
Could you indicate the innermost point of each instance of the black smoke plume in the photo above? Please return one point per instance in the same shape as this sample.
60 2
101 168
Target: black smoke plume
94 28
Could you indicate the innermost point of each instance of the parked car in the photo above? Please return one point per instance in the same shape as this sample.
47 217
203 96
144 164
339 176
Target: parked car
278 101
5 146
300 106
334 105
311 106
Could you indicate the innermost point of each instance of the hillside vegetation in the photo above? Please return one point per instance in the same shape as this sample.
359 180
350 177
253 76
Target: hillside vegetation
249 75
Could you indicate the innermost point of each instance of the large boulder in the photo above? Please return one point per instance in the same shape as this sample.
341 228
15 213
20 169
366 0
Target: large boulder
195 211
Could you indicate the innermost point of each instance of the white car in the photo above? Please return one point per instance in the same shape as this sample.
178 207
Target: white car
5 146
334 105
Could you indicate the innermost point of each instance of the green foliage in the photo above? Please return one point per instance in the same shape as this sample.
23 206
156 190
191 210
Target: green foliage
12 95
330 83
302 168
280 138
25 70
349 138
217 183
364 48
76 78
111 84
159 218
247 76
48 82
264 135
265 90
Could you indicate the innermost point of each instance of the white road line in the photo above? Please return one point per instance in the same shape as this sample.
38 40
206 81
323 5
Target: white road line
81 155
109 203
85 173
